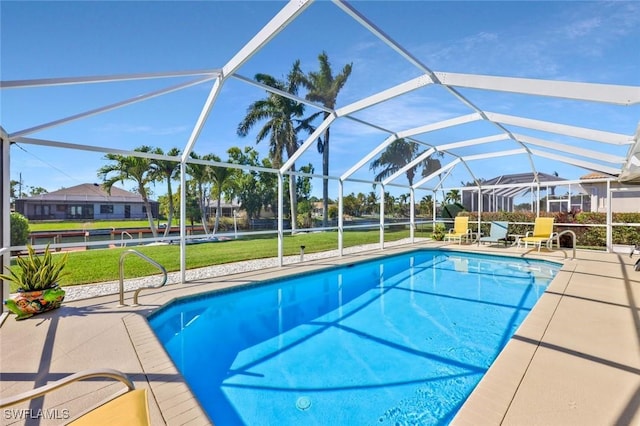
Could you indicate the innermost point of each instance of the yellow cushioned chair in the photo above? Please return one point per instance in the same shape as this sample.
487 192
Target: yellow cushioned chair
125 409
460 229
542 233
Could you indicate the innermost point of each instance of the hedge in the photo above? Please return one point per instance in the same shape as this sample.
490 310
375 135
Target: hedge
585 236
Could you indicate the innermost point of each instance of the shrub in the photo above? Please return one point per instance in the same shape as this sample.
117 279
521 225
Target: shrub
19 229
438 231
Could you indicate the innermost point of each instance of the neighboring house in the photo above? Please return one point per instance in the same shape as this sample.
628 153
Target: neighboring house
226 209
505 199
318 208
502 199
86 201
625 198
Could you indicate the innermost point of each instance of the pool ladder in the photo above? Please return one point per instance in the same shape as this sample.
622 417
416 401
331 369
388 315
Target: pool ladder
573 237
137 292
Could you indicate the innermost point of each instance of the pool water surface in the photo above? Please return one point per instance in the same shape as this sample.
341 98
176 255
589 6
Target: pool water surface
399 340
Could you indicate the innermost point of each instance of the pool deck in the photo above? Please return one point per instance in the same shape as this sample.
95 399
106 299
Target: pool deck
575 360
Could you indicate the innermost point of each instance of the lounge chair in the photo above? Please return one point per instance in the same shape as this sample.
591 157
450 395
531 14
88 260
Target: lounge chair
126 408
542 233
497 233
460 230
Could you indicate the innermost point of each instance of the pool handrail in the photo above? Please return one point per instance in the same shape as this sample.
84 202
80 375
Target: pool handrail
137 292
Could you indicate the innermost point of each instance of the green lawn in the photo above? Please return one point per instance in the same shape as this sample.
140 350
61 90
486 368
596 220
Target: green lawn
100 265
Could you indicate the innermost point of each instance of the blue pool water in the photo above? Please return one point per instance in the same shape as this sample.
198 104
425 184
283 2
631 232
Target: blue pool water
400 340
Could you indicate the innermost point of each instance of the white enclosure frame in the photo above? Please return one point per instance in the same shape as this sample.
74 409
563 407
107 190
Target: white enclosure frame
522 145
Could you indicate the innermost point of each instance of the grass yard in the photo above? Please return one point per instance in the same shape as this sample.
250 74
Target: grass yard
95 266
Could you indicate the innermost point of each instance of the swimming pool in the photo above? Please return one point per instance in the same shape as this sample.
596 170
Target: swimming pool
398 340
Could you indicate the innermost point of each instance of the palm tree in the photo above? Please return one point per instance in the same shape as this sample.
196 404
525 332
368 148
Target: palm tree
323 88
393 158
138 169
426 204
283 123
167 170
372 201
452 196
220 177
389 204
403 200
200 177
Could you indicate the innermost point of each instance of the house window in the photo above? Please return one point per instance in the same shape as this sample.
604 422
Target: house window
61 208
80 211
106 208
42 210
144 209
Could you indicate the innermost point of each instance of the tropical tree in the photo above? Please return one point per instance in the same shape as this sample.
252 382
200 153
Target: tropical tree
362 203
453 196
303 193
255 190
284 120
221 178
393 158
403 200
138 169
389 203
200 178
37 190
426 205
372 202
323 88
167 170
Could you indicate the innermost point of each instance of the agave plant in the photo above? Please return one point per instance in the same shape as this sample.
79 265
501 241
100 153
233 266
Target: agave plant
37 272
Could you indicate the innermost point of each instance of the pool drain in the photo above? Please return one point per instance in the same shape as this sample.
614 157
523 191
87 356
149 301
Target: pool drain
303 403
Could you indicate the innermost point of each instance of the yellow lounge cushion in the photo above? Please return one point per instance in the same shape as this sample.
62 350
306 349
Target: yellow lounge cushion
533 239
128 409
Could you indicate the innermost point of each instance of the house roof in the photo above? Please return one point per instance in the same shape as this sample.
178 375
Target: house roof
91 192
522 178
595 175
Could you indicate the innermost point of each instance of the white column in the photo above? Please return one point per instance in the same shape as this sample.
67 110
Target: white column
340 217
381 217
479 211
412 214
5 232
609 219
183 221
280 219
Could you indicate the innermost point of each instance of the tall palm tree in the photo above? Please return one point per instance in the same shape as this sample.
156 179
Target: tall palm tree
372 201
393 158
284 120
453 196
167 170
200 177
138 169
426 204
323 88
220 177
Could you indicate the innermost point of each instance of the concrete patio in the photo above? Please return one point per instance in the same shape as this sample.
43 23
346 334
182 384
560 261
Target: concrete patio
575 359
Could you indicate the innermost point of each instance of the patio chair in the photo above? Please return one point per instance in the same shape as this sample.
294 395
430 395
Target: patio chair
497 233
542 233
125 408
460 229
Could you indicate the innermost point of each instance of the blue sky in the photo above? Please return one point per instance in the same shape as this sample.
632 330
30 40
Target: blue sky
593 42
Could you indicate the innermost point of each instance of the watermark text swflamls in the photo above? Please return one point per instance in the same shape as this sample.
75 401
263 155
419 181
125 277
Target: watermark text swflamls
41 414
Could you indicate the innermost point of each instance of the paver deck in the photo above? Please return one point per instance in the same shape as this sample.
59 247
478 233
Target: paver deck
574 360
